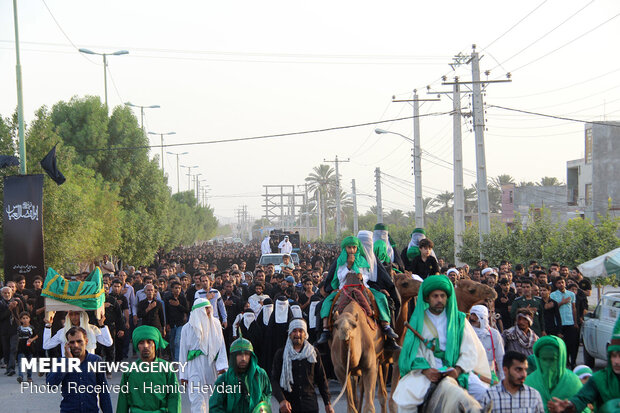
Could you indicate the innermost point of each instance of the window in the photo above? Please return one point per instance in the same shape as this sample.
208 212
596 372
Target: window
588 194
589 145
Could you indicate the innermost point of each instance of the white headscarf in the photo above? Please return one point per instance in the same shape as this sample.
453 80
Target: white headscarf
207 328
296 310
91 331
382 234
266 310
247 317
483 315
307 352
281 311
416 237
365 238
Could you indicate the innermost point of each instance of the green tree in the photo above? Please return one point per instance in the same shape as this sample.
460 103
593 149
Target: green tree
321 182
549 181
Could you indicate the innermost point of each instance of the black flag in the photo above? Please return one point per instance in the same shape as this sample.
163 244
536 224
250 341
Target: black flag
49 165
8 160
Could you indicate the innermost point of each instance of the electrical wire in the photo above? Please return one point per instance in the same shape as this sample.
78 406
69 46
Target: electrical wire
515 25
567 43
552 116
278 135
64 33
545 35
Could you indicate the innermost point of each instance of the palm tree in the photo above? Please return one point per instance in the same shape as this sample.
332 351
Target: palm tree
471 200
396 217
320 183
503 179
445 198
525 183
549 181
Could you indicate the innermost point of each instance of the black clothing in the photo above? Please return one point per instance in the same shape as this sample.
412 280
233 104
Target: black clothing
175 314
154 317
419 267
503 309
305 376
581 305
553 320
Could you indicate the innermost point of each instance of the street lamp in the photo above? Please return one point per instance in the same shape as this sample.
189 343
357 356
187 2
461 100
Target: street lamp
379 131
177 155
189 174
142 112
418 176
162 145
105 67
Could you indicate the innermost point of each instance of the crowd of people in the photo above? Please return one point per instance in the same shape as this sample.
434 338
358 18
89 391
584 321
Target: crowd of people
234 321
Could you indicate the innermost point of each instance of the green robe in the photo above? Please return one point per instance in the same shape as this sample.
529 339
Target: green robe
255 379
553 380
149 392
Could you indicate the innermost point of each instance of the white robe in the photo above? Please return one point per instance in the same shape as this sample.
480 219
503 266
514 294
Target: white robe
49 341
488 345
198 372
265 248
255 302
412 388
285 247
343 271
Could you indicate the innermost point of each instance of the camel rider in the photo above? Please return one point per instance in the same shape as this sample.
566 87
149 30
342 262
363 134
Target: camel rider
353 259
443 344
384 249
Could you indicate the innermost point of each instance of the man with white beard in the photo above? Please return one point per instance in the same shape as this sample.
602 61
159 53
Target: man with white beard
202 347
491 340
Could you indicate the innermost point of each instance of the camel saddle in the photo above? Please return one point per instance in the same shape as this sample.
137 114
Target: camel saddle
354 290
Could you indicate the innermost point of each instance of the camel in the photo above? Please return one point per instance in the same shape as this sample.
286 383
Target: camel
470 293
358 343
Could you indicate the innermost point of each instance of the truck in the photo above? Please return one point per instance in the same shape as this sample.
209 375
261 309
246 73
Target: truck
598 327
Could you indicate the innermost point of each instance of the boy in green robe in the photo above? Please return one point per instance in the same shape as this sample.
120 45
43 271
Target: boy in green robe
156 391
246 386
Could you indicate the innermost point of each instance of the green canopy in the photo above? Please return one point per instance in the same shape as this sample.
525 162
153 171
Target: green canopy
612 264
87 294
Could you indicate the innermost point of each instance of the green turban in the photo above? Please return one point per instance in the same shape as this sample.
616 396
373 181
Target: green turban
409 359
552 378
148 333
241 344
360 258
380 227
412 249
262 407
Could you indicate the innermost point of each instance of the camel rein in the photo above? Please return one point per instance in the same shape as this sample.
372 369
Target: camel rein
348 376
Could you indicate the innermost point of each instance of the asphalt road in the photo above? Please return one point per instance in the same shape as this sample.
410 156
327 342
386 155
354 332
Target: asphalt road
13 400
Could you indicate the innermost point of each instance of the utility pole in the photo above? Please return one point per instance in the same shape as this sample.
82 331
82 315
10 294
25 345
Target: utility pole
378 189
355 219
20 97
337 161
307 212
417 157
484 219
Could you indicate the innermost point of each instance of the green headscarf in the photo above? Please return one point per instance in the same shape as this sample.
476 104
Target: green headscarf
148 333
408 359
552 378
381 251
412 249
250 378
360 258
606 380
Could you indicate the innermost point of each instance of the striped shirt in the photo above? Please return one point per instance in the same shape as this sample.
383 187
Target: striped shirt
526 399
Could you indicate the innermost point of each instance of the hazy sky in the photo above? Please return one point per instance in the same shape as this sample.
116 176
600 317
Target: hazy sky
224 70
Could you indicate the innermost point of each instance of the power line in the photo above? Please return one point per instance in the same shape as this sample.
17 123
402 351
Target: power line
516 24
567 43
553 116
278 135
64 33
546 34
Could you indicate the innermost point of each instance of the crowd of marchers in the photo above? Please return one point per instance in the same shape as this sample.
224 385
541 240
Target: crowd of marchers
231 319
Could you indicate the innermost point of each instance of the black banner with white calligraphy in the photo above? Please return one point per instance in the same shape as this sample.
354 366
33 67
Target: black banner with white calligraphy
23 227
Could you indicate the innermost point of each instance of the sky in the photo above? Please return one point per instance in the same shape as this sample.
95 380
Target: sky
228 70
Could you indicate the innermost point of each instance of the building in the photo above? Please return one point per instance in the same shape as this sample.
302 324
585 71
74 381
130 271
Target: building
593 183
524 202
